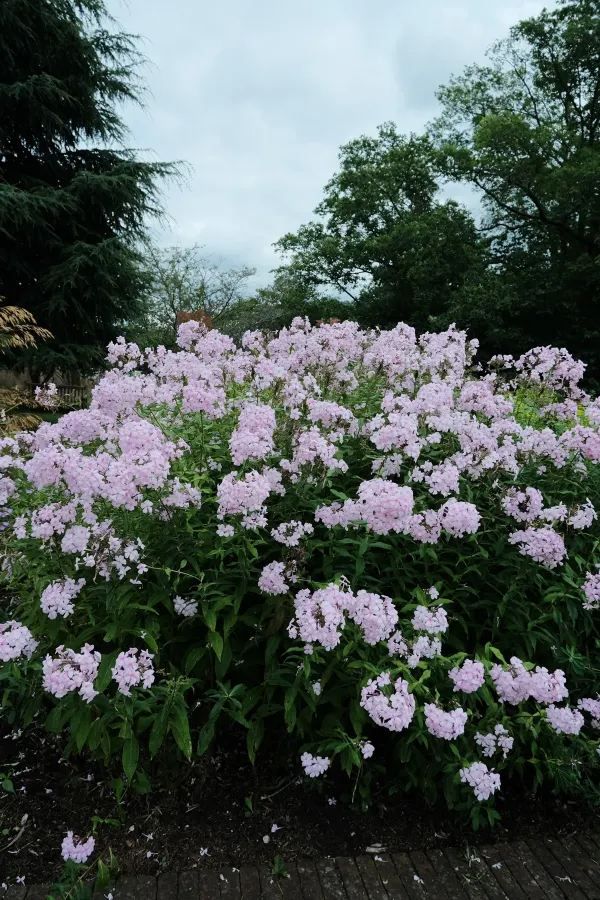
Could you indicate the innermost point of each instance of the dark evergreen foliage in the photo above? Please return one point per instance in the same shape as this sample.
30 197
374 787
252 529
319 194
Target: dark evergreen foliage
73 200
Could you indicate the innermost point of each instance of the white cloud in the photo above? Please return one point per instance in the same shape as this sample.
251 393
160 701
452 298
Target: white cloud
258 96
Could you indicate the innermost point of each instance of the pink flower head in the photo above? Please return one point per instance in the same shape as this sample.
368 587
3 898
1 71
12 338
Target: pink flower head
76 850
320 615
16 640
71 671
564 720
367 749
459 518
591 590
445 725
132 669
272 579
432 620
544 545
482 780
57 598
314 766
389 705
469 677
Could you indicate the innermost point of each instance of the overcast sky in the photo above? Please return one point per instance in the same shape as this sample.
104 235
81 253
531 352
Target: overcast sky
258 95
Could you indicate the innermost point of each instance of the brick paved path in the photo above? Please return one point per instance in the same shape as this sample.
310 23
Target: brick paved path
540 869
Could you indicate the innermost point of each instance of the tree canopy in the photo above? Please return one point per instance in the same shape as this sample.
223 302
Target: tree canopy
73 199
524 130
385 239
185 279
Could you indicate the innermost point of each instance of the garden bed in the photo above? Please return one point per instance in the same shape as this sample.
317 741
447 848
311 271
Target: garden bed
220 810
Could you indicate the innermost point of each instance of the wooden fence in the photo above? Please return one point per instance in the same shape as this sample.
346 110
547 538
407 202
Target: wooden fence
69 396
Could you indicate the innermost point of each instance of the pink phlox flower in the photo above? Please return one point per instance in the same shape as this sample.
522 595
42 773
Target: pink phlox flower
76 850
469 677
314 766
133 668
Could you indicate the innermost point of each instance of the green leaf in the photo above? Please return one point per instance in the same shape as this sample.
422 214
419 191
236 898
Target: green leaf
141 783
216 642
192 658
130 756
55 720
159 730
180 728
207 733
104 675
254 738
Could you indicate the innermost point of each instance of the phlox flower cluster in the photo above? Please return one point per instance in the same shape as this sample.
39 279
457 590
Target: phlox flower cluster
246 496
565 720
322 614
498 739
272 579
16 640
516 684
367 749
592 707
544 545
289 461
431 620
591 590
70 671
133 668
390 705
46 395
291 533
75 849
525 505
186 608
445 725
468 677
314 766
253 436
57 598
484 782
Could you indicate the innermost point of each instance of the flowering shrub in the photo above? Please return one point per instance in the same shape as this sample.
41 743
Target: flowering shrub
354 536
